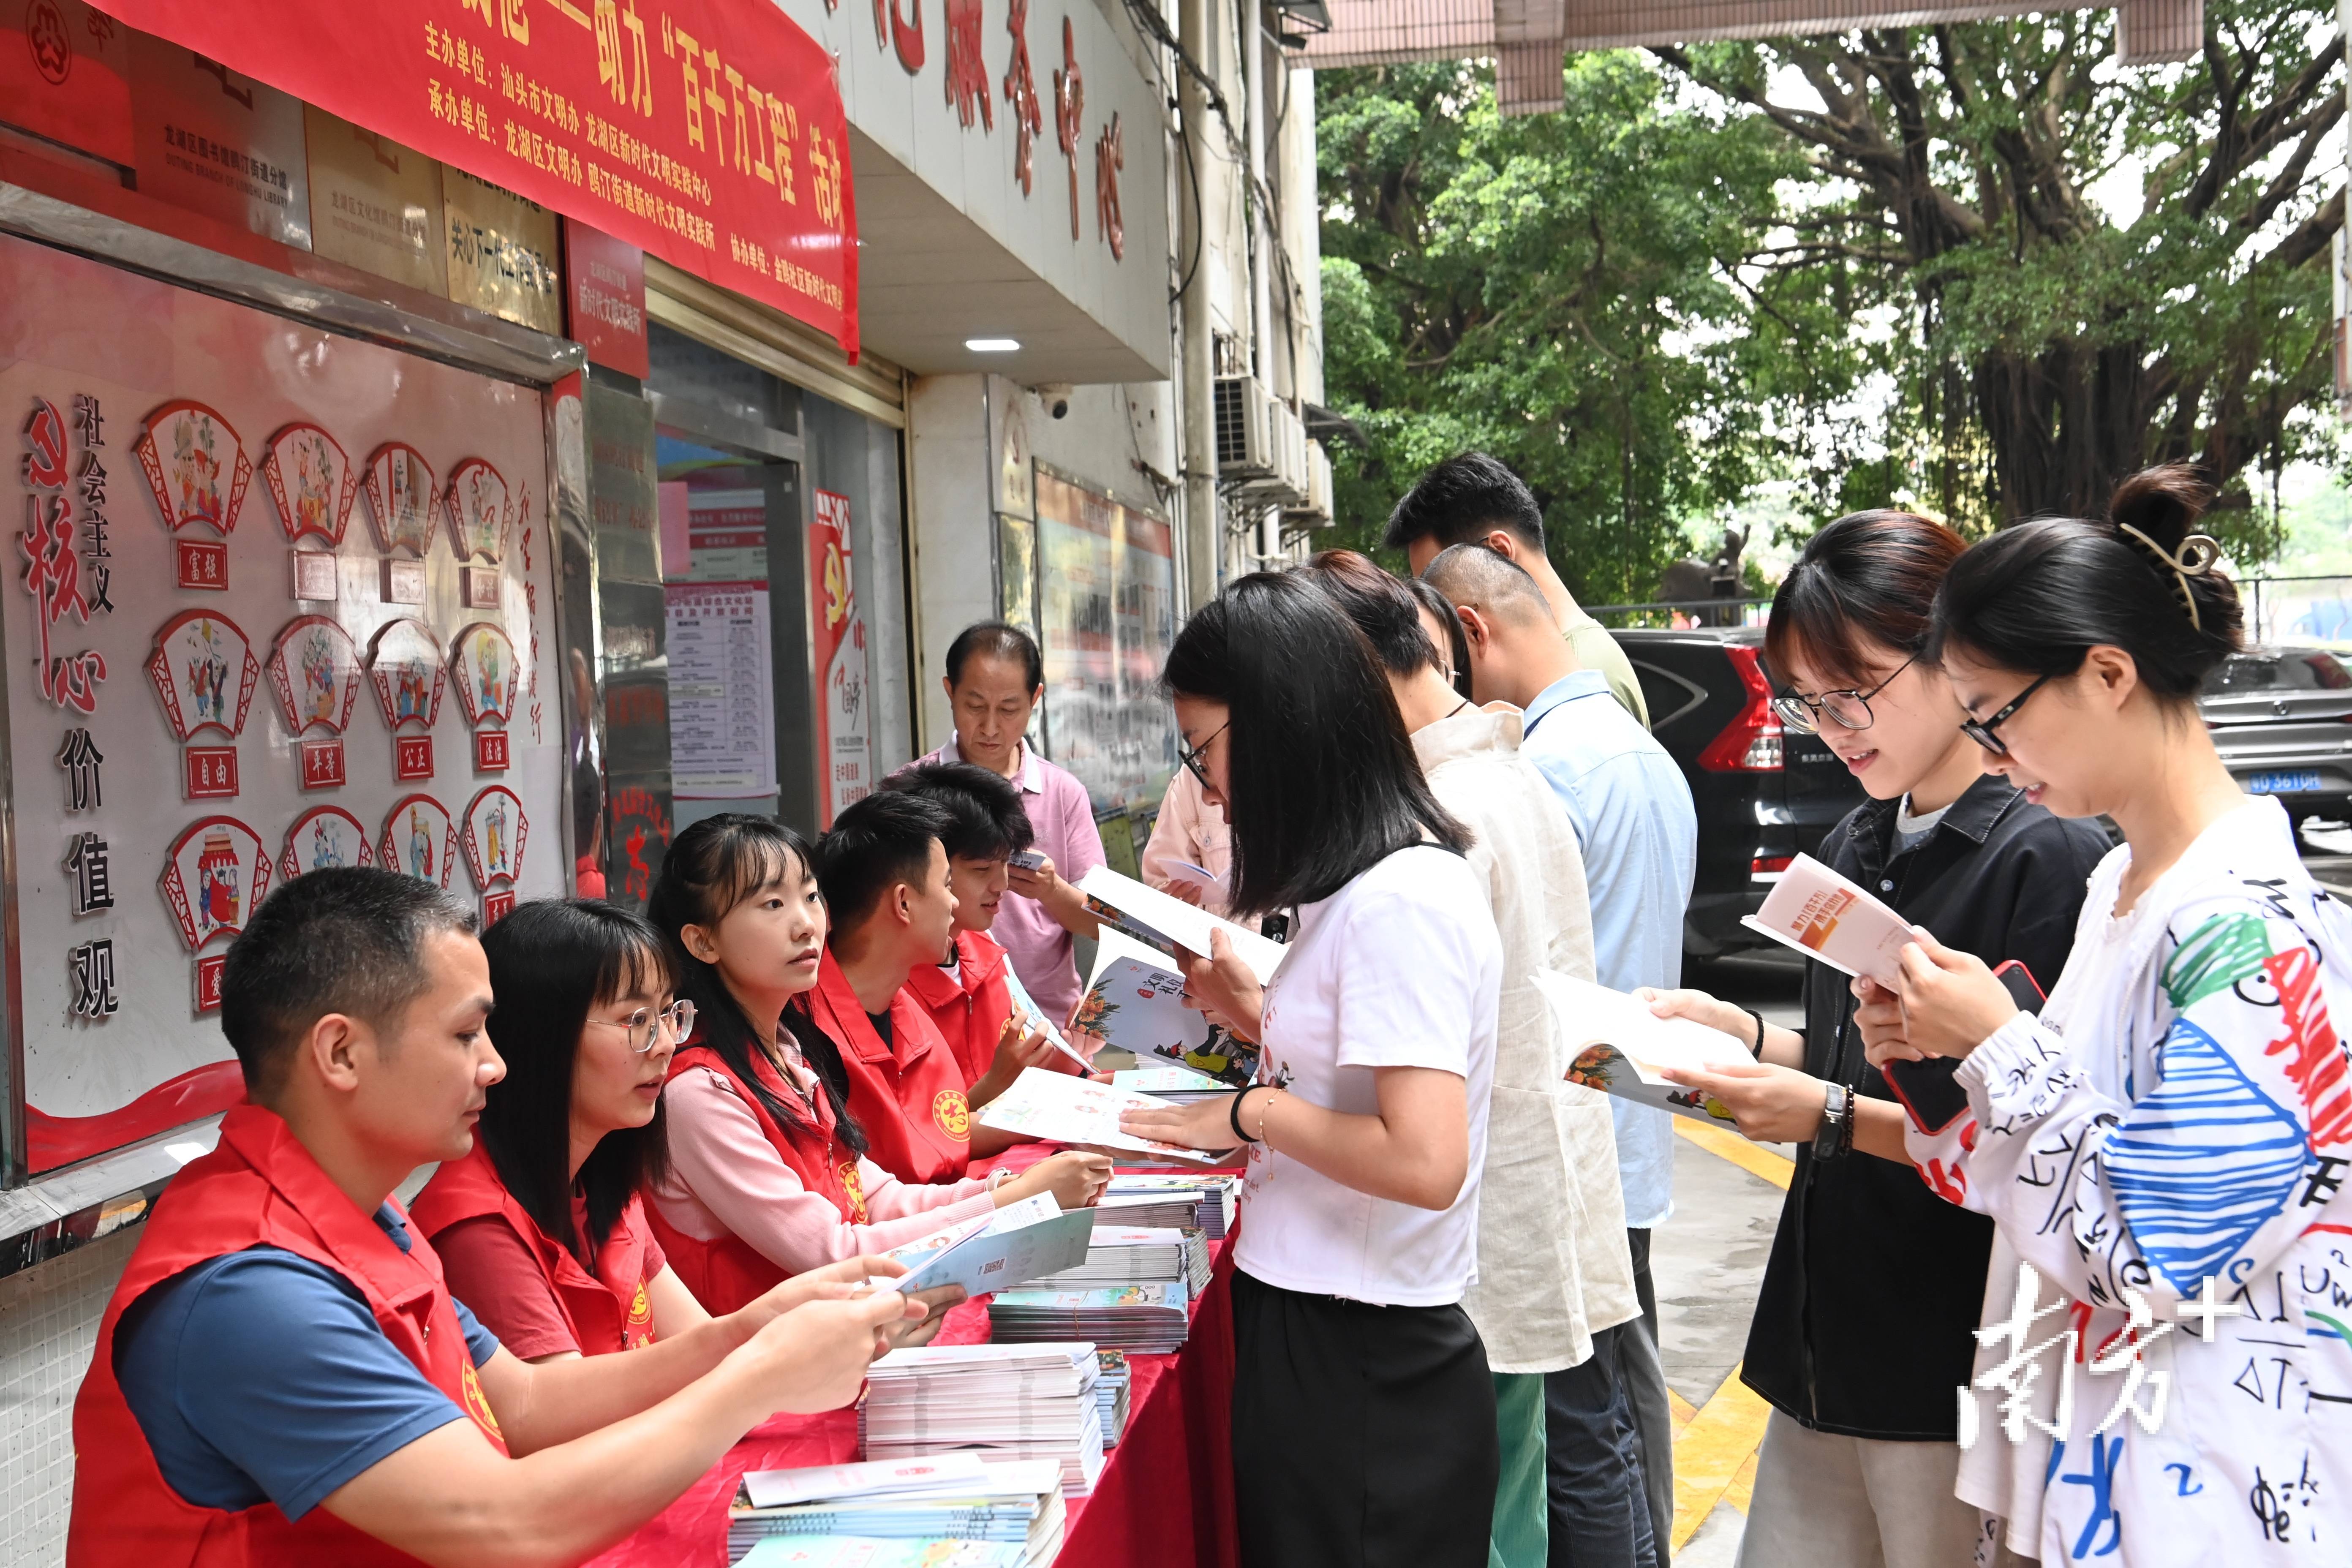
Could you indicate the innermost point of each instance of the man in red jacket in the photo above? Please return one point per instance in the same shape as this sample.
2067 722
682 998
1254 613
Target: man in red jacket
282 1378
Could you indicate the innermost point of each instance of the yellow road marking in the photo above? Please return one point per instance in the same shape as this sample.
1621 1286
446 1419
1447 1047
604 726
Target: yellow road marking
1723 1142
1679 1410
1714 1455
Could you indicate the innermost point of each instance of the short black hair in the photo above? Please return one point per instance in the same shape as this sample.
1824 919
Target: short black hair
987 820
1382 608
342 939
1322 781
1462 499
552 961
876 844
996 639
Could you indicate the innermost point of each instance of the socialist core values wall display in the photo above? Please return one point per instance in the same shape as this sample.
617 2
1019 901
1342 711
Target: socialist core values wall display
219 679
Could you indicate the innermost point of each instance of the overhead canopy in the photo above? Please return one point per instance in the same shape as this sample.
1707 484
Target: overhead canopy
709 132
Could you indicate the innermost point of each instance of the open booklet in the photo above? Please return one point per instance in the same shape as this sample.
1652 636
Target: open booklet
1616 1045
1135 1000
1034 1020
1826 916
1018 1243
1060 1109
1165 923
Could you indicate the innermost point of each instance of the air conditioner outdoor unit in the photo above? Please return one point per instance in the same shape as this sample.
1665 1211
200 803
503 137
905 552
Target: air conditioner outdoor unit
1314 510
1245 428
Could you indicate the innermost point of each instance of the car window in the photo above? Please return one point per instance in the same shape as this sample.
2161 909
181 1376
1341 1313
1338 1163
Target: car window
2278 669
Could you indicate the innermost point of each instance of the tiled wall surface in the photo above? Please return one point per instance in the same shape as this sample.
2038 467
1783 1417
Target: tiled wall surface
48 1322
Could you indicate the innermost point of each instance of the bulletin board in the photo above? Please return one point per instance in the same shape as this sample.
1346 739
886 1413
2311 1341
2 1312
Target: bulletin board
280 598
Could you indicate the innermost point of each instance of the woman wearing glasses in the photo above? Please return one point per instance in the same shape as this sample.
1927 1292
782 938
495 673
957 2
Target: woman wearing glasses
2164 1150
1858 1460
539 1228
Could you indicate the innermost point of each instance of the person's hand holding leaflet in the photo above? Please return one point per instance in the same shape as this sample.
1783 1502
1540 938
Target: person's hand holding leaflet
1221 987
1076 1177
1775 1100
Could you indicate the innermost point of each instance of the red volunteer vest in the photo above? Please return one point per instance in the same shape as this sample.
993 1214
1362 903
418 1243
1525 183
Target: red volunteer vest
258 1188
727 1273
909 1094
970 1006
607 1311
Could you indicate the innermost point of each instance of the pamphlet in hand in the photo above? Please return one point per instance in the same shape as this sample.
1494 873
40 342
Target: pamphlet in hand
1165 923
1826 916
1199 876
1617 1044
1135 1000
1059 1109
1018 1243
1035 1022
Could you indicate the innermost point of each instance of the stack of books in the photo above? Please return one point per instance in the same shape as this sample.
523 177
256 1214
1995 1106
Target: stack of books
1026 1400
1203 1203
1112 1392
1150 1319
867 1551
1134 1256
956 1499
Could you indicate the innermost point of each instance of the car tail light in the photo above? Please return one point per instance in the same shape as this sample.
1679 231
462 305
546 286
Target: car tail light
1767 868
1750 743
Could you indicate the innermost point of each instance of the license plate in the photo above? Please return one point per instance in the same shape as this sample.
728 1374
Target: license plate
2301 783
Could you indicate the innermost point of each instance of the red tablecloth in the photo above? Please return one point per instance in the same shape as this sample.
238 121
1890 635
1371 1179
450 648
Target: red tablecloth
1166 1496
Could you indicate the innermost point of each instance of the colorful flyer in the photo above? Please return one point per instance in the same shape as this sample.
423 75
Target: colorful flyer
214 876
324 836
204 671
311 480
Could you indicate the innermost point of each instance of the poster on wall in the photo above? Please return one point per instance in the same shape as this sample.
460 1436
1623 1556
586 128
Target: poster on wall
1106 618
840 628
186 741
721 713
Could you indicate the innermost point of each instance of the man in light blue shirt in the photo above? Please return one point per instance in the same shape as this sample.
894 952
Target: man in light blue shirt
1634 818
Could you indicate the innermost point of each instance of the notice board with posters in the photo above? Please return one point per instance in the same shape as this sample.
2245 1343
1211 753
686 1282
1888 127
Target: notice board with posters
1106 619
280 600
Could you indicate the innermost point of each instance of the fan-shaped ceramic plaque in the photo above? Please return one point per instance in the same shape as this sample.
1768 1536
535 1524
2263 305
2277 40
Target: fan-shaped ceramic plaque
196 469
204 671
314 667
494 834
476 504
399 485
311 480
482 663
215 874
324 836
404 664
420 839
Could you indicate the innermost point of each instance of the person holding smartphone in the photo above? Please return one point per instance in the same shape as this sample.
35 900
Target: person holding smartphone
1363 1414
1858 1460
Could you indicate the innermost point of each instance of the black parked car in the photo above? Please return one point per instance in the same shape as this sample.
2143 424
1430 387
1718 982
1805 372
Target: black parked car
1763 795
2282 718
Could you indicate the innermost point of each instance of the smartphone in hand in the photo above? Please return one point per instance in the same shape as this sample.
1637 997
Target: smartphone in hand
1929 1095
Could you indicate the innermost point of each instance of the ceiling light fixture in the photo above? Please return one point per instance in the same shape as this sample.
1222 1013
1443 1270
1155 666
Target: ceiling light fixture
993 345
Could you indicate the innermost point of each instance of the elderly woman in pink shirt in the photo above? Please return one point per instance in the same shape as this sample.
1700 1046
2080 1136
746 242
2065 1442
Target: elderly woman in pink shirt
995 676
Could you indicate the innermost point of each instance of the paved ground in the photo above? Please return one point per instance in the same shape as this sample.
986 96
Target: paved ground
1708 1262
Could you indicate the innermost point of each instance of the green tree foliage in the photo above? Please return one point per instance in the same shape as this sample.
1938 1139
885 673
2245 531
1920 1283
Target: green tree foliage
1559 291
2047 348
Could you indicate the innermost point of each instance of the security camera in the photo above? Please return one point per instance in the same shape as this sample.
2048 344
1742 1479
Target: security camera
1055 396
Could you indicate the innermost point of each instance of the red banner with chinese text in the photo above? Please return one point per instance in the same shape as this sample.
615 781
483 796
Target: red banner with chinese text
709 132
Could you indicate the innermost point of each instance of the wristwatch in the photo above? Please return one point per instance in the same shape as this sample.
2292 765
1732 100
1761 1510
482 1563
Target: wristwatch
1837 1110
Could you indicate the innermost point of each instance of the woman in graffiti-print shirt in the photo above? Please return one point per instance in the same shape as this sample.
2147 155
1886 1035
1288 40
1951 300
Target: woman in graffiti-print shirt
2161 1148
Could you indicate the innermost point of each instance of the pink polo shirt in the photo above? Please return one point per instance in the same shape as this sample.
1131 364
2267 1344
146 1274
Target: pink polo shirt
1062 819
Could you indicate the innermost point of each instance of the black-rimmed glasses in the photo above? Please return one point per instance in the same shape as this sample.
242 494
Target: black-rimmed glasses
1851 710
1191 758
1980 730
676 1020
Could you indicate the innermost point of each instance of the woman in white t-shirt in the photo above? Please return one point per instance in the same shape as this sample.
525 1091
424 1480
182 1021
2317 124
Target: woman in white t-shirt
1363 1418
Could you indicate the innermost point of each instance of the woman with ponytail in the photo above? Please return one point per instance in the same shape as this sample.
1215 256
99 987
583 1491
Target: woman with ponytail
2166 1373
767 1171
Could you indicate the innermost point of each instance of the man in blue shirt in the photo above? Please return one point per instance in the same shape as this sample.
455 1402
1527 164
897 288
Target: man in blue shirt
1639 832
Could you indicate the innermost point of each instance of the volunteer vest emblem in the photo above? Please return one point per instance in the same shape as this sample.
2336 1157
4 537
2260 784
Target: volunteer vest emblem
477 1405
856 1189
639 1329
953 1113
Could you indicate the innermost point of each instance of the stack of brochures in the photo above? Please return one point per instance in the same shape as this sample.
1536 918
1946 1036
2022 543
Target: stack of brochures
1204 1204
1174 1085
1010 1401
957 1497
1111 1391
1123 1256
866 1551
1150 1319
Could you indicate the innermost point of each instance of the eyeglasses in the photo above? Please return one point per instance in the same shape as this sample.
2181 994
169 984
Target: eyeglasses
1850 709
676 1020
1980 730
1191 758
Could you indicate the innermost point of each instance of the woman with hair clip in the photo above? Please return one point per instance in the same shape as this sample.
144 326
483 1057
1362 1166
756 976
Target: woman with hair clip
1858 1459
2162 1149
541 1230
1363 1415
767 1172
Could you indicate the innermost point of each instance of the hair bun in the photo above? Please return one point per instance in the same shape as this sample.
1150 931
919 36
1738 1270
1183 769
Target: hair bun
2164 503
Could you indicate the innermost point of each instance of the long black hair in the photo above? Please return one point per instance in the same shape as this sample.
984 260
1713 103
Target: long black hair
712 867
1323 784
553 962
2036 598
